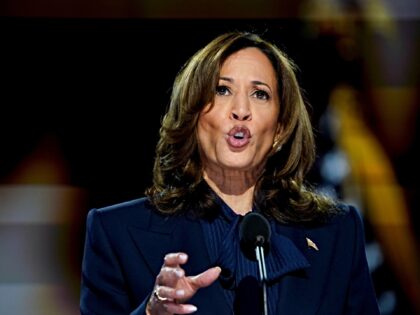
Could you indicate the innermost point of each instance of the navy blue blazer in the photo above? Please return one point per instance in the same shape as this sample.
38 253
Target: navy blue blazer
125 245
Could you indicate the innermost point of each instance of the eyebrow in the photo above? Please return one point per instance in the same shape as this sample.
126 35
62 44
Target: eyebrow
255 82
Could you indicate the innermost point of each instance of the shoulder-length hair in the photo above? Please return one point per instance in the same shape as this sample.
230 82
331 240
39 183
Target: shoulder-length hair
280 192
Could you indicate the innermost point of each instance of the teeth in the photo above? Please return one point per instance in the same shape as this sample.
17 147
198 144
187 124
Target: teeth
239 135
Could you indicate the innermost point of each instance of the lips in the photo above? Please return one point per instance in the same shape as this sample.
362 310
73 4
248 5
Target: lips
238 137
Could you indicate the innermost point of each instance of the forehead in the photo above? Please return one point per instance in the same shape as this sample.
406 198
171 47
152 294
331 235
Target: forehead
250 60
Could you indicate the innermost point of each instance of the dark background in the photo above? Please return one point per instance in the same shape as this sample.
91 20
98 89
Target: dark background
101 86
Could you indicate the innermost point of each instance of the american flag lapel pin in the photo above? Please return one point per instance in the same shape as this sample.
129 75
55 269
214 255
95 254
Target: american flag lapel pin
311 244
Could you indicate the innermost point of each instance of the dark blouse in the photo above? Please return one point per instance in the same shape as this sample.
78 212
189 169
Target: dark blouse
240 275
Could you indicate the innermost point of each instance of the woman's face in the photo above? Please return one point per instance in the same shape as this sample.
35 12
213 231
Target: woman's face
237 132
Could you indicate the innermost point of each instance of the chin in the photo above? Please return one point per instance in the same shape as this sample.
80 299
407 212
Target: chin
238 165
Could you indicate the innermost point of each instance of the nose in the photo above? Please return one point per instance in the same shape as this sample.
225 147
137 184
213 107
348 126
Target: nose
241 110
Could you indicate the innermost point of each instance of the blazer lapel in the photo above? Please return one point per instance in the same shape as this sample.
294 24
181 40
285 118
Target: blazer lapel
306 287
158 236
153 241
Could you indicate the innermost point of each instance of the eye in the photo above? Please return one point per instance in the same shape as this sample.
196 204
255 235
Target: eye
222 90
261 95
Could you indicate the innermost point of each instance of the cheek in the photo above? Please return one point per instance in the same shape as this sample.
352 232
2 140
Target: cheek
270 126
208 123
205 129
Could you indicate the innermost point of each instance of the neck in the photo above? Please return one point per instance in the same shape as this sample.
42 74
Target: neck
236 188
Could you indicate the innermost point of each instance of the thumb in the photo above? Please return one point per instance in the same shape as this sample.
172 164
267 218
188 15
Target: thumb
205 278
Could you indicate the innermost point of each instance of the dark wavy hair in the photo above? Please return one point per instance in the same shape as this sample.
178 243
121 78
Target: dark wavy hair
280 192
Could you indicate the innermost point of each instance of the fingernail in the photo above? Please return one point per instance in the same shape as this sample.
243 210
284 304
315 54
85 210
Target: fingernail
183 256
179 273
180 293
191 308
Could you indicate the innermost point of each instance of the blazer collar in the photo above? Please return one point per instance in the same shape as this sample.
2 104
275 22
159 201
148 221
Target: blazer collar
169 232
153 236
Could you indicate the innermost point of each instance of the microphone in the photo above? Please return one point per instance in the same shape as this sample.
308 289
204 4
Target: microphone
254 231
254 236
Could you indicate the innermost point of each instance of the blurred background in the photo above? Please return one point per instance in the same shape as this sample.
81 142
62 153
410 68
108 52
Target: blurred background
85 84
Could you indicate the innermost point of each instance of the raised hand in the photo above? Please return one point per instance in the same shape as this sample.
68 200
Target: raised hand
173 288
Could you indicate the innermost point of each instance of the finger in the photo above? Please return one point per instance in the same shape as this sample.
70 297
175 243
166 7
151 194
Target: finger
169 293
205 278
169 276
174 308
175 259
156 304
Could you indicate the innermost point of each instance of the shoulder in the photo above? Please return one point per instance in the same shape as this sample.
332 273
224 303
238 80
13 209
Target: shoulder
139 213
344 222
125 206
136 211
337 213
347 216
344 227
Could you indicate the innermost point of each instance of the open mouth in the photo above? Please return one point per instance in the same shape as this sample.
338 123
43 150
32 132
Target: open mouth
238 137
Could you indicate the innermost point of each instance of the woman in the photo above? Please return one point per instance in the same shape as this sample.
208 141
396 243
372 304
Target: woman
236 138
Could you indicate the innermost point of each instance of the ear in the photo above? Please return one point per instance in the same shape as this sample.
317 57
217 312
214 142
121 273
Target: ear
278 138
279 133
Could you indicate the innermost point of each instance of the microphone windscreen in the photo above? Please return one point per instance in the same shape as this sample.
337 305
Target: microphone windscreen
254 230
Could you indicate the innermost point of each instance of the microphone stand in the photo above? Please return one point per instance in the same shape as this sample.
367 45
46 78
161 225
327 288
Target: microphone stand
259 253
254 233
